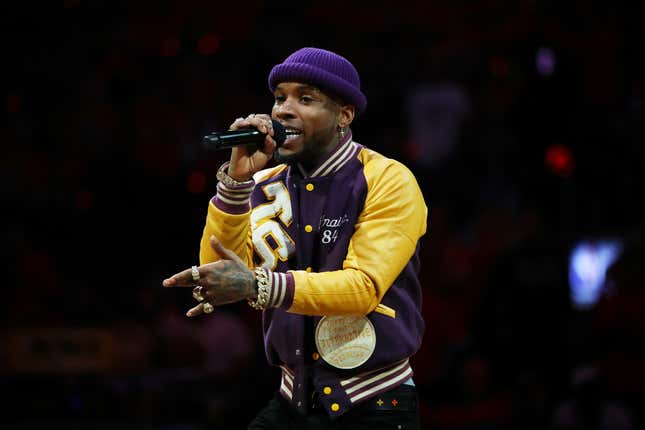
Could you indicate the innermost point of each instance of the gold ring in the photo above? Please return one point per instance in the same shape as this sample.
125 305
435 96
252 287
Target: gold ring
197 293
195 272
207 308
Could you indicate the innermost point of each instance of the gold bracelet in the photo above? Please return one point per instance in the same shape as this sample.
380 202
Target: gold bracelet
262 279
224 178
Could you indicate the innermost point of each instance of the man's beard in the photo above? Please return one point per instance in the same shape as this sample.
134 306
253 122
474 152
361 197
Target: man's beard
291 159
308 156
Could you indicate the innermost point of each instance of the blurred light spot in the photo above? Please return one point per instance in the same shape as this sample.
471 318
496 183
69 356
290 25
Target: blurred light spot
196 182
13 103
170 47
208 44
545 61
588 266
559 160
84 200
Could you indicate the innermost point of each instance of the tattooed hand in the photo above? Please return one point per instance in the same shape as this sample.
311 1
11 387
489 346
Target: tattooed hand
224 281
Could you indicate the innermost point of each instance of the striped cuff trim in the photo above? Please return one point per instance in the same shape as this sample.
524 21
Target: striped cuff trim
234 196
228 208
280 289
233 200
286 384
369 384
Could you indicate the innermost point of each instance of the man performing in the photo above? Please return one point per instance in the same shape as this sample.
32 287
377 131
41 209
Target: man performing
326 245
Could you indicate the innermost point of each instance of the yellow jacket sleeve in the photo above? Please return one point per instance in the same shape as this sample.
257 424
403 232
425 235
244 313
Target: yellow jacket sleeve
232 230
385 238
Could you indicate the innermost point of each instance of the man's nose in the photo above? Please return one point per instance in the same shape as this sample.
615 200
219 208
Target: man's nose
285 110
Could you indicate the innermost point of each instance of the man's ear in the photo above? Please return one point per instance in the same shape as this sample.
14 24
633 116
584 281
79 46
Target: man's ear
346 115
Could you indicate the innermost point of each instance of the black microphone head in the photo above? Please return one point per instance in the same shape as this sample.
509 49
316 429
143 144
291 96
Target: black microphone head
279 132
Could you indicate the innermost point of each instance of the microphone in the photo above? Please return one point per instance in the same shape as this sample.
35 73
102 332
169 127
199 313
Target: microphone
247 136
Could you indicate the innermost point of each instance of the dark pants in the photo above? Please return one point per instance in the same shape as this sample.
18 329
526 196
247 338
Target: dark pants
280 415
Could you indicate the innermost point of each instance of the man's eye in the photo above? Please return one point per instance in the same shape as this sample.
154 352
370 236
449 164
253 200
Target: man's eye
279 99
306 99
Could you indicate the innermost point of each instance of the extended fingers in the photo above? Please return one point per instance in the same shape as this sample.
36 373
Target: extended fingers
218 247
181 279
202 308
196 310
221 251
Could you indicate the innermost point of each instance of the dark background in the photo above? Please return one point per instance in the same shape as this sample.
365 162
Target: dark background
523 121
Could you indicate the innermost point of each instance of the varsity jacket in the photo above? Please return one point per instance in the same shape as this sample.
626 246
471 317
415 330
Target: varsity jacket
342 240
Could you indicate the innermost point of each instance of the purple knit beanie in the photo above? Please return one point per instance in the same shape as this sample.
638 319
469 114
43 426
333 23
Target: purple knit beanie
324 69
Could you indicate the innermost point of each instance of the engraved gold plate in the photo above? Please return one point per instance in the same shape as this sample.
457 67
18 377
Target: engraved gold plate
345 342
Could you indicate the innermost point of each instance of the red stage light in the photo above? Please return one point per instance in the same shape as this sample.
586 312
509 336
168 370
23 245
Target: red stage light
559 160
208 44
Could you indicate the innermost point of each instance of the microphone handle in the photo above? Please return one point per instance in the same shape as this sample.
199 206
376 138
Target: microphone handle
231 139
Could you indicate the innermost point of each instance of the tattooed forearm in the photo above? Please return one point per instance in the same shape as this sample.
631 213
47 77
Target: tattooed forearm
230 282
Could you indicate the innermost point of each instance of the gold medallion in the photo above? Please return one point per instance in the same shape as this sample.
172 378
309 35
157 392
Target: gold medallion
345 342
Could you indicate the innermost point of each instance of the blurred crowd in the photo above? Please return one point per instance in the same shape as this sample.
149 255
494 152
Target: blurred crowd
523 122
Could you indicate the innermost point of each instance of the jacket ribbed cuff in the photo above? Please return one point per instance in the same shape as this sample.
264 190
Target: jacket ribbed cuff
281 287
233 199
